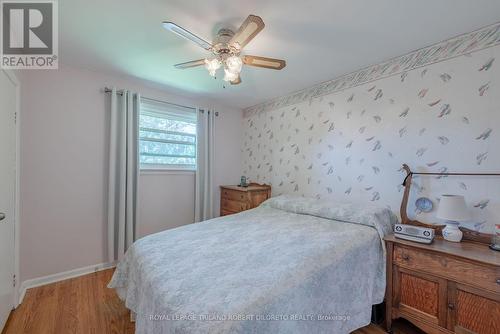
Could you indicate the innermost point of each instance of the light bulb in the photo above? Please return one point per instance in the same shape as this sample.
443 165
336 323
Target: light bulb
234 64
229 75
212 66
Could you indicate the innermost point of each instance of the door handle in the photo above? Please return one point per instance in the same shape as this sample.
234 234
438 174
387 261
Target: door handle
2 216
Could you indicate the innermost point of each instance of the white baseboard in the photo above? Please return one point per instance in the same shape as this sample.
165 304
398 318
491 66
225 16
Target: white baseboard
35 282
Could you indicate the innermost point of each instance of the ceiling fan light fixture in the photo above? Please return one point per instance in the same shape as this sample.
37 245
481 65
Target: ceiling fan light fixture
229 75
234 64
212 65
226 49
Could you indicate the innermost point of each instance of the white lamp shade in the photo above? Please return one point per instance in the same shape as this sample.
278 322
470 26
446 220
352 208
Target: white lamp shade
234 64
453 208
230 76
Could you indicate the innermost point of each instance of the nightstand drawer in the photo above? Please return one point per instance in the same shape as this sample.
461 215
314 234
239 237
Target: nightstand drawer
485 277
234 195
234 206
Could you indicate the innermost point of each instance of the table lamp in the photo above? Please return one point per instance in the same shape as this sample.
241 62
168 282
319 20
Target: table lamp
452 208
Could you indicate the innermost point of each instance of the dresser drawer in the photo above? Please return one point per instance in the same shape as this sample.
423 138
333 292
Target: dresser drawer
233 206
226 212
234 195
234 199
485 277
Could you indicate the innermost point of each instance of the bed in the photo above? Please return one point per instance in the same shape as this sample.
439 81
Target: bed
291 265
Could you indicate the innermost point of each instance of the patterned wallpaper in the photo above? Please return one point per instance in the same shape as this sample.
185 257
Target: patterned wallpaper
351 143
454 47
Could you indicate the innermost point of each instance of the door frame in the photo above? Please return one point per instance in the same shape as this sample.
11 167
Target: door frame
13 78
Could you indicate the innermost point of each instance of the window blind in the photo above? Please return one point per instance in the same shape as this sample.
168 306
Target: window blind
167 136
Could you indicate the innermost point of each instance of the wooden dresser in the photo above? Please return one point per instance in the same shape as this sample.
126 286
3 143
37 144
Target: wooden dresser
444 287
235 199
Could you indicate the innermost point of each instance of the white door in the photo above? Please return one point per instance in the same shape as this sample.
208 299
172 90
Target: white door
8 101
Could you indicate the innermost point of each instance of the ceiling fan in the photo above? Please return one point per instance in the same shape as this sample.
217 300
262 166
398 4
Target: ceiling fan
226 48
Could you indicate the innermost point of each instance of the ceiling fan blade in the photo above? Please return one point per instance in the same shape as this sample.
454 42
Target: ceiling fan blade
248 30
187 35
190 64
236 81
274 64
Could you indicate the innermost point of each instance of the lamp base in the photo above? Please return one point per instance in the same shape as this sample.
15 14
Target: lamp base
451 232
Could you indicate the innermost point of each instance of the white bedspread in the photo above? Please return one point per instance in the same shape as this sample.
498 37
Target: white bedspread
288 266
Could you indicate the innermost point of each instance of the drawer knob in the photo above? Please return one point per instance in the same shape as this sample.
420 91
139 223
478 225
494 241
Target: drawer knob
451 306
498 281
406 257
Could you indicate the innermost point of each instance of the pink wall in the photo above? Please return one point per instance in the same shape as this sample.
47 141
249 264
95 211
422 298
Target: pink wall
64 127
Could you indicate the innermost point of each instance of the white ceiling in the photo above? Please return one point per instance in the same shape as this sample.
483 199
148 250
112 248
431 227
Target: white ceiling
320 40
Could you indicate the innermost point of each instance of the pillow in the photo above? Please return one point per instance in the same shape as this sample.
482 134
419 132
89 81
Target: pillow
369 214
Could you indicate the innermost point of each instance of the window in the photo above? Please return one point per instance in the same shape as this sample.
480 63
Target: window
167 136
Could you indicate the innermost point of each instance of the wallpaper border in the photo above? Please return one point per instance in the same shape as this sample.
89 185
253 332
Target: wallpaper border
477 40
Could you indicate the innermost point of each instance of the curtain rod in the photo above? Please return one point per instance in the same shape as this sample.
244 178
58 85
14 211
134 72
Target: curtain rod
120 92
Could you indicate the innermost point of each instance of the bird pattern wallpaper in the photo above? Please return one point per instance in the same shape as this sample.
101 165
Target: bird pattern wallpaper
351 143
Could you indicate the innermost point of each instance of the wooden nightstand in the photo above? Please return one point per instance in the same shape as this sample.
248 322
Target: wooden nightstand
234 199
444 287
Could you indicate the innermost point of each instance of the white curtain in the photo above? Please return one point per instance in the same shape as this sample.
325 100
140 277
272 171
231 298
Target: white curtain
205 165
123 168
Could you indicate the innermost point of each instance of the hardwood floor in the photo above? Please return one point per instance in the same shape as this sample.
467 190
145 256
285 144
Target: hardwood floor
85 305
79 305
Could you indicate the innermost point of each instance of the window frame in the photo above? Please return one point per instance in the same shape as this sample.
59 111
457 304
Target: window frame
153 168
